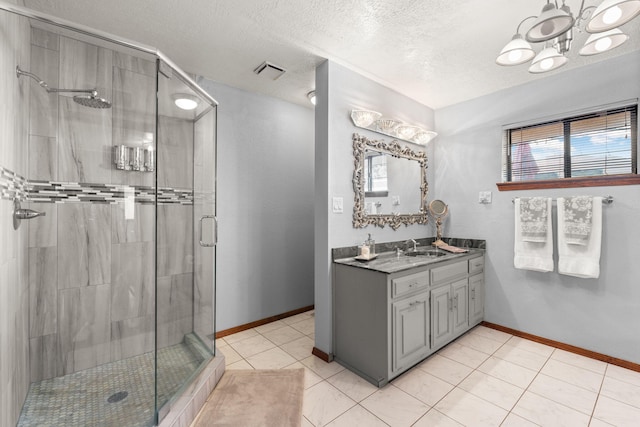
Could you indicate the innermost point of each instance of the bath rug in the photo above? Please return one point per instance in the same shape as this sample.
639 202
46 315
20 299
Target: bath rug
255 398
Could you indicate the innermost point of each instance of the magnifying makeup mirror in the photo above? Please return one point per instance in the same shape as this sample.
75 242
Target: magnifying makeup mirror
438 210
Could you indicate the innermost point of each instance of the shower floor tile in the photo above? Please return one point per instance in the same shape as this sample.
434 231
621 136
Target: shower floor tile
116 394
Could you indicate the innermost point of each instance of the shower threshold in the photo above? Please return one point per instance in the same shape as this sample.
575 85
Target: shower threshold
119 393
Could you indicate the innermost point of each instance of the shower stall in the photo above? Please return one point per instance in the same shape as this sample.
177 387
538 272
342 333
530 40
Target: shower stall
108 230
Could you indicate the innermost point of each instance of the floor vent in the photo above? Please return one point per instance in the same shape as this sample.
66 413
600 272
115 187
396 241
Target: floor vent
269 70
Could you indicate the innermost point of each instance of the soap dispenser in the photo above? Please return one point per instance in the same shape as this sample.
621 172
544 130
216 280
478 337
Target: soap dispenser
371 244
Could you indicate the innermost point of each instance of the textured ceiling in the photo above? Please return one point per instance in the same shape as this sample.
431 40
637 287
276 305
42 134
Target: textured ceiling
438 52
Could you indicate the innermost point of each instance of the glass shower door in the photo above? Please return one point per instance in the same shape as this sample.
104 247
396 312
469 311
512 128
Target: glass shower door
186 234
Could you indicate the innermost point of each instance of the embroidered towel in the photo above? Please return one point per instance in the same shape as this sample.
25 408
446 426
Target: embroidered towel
580 260
534 212
536 255
578 212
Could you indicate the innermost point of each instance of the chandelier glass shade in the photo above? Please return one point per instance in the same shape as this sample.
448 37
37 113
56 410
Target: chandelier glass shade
548 59
551 23
600 42
554 27
611 14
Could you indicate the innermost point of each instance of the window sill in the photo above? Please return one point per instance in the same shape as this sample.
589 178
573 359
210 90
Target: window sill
591 181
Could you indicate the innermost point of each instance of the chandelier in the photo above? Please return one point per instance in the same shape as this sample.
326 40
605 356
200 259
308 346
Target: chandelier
554 27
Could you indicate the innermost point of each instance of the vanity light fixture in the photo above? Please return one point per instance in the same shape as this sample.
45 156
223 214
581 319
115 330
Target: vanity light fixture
373 121
185 101
312 97
364 118
407 131
387 125
554 26
423 137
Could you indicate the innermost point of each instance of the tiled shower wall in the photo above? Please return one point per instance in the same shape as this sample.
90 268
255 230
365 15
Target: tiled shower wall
91 269
14 288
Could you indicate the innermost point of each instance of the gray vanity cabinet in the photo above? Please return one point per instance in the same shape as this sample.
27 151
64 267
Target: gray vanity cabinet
449 302
410 331
476 291
387 322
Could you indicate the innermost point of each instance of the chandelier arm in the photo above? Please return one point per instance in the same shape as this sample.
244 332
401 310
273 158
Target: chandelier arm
522 22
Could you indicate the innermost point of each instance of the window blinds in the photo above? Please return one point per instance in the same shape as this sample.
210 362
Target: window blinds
601 143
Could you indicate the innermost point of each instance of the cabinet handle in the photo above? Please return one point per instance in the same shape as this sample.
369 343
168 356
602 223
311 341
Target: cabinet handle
455 302
473 293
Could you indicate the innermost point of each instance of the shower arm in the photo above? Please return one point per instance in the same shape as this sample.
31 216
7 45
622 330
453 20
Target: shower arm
19 72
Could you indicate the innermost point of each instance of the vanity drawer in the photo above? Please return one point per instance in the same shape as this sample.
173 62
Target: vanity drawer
406 284
476 265
448 272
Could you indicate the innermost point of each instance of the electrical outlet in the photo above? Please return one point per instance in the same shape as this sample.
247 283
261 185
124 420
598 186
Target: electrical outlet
484 197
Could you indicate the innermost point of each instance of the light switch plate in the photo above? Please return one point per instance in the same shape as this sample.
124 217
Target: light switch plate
484 197
338 205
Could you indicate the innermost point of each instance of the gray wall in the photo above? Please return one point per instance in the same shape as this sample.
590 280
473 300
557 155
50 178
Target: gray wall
14 278
265 206
338 91
597 314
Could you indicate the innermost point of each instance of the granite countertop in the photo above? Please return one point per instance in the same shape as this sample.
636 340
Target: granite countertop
390 262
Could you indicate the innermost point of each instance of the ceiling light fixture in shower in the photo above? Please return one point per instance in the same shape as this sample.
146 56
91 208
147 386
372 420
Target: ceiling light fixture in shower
185 101
312 97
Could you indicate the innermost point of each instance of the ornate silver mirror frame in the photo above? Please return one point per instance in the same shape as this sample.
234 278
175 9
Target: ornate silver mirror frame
360 217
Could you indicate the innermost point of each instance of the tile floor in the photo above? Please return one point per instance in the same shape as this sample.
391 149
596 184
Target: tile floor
484 378
90 397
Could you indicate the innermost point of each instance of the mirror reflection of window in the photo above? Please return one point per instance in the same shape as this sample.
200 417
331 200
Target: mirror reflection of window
375 175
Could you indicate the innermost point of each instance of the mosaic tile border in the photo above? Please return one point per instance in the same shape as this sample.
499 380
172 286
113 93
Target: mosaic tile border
70 192
13 185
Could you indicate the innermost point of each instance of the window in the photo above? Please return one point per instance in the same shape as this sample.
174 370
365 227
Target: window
599 144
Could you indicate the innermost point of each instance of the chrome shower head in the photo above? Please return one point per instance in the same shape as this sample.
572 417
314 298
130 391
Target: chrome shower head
92 101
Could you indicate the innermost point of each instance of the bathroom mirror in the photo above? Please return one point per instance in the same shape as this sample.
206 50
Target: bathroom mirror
439 210
389 183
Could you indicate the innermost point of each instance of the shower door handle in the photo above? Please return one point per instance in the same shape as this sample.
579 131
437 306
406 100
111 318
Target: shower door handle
215 231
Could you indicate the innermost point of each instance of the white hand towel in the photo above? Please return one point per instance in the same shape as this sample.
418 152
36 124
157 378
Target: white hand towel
580 260
537 256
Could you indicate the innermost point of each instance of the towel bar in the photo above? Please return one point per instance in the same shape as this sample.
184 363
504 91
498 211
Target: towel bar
606 200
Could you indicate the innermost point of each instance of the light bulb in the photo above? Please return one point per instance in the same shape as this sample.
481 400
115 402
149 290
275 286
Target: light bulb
515 55
612 15
603 44
547 28
546 64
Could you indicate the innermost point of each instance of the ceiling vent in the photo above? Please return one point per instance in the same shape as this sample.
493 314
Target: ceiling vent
270 71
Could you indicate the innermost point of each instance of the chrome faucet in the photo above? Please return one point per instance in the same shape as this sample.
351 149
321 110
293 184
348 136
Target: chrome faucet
415 244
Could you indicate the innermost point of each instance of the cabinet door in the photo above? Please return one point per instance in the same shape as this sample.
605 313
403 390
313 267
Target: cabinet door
460 312
476 299
410 330
441 324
